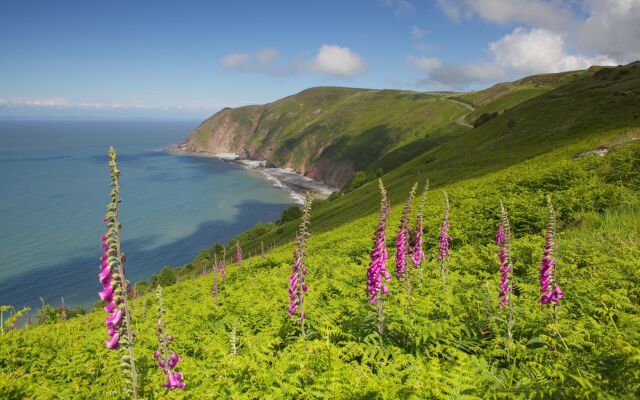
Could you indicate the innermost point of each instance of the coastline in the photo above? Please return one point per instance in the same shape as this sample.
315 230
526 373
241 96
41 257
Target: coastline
295 184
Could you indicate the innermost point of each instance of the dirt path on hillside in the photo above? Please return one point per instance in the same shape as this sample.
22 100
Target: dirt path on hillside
460 120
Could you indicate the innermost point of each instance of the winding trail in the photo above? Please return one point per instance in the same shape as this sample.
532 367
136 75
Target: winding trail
460 120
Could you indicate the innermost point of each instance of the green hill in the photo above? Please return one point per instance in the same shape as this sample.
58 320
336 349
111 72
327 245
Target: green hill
445 341
580 112
329 133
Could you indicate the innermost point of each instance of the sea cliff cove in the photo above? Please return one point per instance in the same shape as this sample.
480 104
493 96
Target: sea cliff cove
285 178
178 205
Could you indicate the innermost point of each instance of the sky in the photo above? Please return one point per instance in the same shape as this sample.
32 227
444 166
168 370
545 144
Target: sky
157 59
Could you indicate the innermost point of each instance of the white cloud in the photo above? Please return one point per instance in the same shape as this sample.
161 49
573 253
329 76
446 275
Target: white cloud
401 7
427 64
60 103
260 61
608 28
547 14
336 60
440 75
33 102
234 60
612 28
267 56
539 50
329 59
520 52
417 32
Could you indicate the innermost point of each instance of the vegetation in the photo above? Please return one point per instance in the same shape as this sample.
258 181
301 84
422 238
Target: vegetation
330 132
443 339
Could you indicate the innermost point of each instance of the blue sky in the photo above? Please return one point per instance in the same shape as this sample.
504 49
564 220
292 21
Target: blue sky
187 59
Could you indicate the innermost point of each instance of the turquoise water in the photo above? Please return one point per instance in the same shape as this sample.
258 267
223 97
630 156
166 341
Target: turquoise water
55 187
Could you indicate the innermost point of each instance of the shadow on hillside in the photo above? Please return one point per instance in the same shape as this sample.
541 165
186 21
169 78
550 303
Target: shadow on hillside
77 278
363 149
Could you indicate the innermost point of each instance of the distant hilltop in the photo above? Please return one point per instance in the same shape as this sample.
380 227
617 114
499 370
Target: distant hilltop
333 133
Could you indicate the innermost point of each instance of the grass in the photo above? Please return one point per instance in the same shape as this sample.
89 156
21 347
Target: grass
446 341
449 343
331 132
580 116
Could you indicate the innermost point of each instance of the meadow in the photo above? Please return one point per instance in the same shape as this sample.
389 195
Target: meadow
443 339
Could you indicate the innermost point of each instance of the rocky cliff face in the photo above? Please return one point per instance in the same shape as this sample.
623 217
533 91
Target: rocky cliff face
325 133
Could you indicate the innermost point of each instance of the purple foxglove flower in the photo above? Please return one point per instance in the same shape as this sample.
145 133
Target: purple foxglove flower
114 284
401 253
106 294
402 238
104 275
114 319
166 362
417 254
109 308
550 292
113 343
503 240
505 267
238 254
377 270
557 294
297 284
445 240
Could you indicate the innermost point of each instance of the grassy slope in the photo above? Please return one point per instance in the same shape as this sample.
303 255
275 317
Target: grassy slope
439 349
450 345
503 96
340 124
583 110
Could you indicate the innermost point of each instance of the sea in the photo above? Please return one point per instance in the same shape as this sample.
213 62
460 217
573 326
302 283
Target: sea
54 188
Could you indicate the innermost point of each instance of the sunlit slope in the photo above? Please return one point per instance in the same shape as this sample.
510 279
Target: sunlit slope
449 341
580 112
330 133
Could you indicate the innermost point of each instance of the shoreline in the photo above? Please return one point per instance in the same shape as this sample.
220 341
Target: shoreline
295 184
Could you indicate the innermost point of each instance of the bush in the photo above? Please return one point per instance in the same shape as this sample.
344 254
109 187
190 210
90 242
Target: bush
290 214
484 117
359 179
165 278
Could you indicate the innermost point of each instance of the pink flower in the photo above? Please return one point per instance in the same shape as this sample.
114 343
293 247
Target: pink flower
106 294
505 267
402 238
113 343
114 319
297 285
417 254
238 254
550 292
445 240
377 270
166 362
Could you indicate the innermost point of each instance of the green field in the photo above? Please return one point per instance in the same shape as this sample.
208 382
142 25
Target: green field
447 340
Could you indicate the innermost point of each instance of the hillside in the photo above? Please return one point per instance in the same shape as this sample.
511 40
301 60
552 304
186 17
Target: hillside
330 133
447 339
450 344
584 110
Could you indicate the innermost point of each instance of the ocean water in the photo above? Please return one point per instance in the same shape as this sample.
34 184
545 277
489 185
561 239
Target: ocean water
54 184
